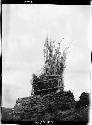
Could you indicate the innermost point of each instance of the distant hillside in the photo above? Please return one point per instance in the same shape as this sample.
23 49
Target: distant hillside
6 114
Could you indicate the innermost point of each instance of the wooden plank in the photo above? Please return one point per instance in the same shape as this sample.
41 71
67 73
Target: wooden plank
49 88
50 79
52 75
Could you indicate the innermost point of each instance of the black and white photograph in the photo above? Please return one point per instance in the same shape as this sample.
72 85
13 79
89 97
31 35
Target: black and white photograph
45 63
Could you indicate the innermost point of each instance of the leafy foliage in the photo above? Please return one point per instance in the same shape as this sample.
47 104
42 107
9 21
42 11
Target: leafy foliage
54 60
54 63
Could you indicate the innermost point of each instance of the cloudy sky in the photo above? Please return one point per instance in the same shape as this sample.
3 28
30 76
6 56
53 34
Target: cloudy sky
25 28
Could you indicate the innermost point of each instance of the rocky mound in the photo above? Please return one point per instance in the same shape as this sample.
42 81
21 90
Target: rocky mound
45 107
59 106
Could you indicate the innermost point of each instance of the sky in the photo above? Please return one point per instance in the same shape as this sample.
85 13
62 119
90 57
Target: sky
24 31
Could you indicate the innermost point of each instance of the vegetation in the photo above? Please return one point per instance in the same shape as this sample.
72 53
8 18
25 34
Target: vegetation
54 63
54 60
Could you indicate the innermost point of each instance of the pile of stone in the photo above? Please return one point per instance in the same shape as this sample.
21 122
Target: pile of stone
37 108
59 106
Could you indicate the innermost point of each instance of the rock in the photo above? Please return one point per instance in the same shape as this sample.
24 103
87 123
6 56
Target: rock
83 101
63 114
81 115
48 117
54 106
35 107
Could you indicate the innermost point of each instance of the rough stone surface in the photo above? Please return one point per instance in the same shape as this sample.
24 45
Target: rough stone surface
42 107
59 106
